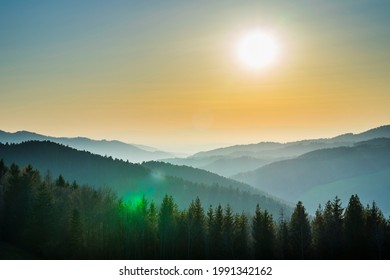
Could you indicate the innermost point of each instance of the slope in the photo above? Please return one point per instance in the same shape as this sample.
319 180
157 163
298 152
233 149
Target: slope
232 160
297 178
196 175
129 180
115 149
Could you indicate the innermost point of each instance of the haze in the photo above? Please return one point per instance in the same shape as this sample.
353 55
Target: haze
165 73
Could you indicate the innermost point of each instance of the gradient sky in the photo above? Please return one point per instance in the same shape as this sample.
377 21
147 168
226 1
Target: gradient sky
166 73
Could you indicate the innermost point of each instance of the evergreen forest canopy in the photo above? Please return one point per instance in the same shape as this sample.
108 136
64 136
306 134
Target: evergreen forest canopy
132 181
46 218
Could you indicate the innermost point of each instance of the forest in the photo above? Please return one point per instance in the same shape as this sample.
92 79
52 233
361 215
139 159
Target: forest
129 180
51 218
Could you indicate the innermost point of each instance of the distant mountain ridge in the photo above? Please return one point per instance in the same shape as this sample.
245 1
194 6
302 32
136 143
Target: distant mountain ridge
115 149
232 160
265 147
308 170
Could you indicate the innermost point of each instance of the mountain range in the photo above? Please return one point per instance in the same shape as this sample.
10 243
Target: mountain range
320 175
275 175
115 149
230 161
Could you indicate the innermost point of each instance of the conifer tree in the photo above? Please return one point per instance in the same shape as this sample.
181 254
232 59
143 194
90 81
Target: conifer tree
241 237
319 237
195 230
228 233
376 232
300 233
209 235
18 195
42 221
355 238
167 227
283 238
333 229
263 233
60 182
75 235
216 234
3 171
152 232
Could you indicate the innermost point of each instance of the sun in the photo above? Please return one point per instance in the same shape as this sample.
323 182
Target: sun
258 49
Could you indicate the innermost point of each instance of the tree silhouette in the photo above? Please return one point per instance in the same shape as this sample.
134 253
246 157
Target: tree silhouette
334 229
228 233
18 195
263 233
49 221
167 227
75 235
376 232
300 232
319 234
241 237
41 221
216 234
355 235
209 232
195 230
283 238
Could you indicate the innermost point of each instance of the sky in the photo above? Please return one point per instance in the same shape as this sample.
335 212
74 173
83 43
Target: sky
167 73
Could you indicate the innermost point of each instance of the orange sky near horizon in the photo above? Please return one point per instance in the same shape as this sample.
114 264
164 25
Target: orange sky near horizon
169 76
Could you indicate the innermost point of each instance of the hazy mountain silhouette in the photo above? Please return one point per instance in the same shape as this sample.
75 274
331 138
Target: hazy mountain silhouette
196 175
129 180
226 166
316 176
297 147
308 170
231 160
116 149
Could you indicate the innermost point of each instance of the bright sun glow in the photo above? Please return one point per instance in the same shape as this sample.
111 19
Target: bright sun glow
258 50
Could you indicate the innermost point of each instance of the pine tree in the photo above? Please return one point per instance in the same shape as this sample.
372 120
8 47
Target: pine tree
140 227
300 233
75 235
241 237
42 222
3 171
283 238
355 238
195 230
376 232
263 233
228 233
60 182
209 235
18 195
319 237
333 229
386 249
152 232
167 227
216 234
181 236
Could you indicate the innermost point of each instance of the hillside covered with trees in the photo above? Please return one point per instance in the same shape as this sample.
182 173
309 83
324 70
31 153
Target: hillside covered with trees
363 168
131 181
46 218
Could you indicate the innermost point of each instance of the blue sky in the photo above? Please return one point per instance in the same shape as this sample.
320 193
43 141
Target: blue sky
131 70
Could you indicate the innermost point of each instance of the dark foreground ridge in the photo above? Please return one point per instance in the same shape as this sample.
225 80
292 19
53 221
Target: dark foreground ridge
42 218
